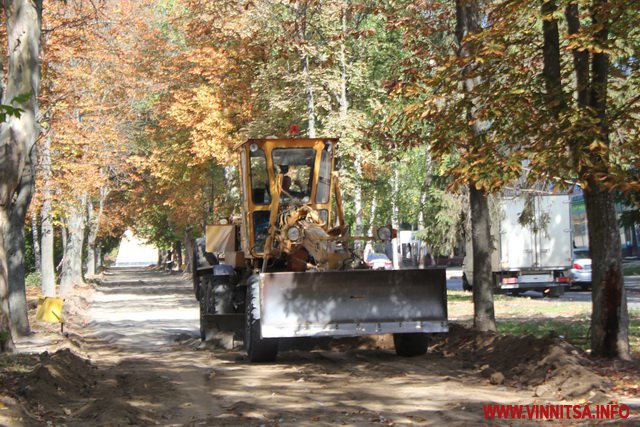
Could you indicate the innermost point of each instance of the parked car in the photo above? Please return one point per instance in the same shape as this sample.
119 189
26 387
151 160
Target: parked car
379 261
580 272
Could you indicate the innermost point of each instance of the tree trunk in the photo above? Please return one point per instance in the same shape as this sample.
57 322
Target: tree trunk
47 268
423 201
99 258
581 67
395 211
6 337
609 319
551 53
344 116
395 215
189 247
372 221
94 227
483 311
14 244
90 263
72 263
17 134
357 203
178 254
311 109
580 58
468 22
36 239
64 236
301 13
369 247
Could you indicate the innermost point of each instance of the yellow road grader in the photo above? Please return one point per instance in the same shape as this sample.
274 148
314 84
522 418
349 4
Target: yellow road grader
286 270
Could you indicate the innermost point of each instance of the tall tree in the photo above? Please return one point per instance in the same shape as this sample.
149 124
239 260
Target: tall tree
47 268
92 89
439 97
18 135
468 23
591 150
75 222
609 318
524 106
15 245
95 216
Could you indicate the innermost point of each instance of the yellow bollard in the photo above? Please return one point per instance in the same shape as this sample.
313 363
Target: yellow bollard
50 310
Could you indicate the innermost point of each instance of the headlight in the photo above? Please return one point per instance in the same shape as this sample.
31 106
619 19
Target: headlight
384 233
253 147
293 234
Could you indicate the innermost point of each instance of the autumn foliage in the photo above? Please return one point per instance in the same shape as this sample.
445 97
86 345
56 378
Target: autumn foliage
143 101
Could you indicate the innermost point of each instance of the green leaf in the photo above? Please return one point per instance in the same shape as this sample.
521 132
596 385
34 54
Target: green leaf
9 111
22 98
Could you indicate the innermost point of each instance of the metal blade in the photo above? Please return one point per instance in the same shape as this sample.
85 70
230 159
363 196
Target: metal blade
350 303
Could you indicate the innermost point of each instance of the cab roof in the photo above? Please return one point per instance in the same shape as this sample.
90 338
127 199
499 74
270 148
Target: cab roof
288 141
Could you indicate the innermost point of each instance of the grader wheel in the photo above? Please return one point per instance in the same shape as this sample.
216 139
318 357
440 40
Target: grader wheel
411 344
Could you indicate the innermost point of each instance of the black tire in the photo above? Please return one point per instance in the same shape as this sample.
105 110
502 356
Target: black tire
194 274
556 292
204 323
258 349
207 307
465 283
411 345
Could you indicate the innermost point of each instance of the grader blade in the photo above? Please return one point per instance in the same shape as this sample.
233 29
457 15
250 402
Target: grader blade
352 303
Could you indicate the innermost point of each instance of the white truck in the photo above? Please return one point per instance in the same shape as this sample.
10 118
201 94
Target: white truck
408 249
532 241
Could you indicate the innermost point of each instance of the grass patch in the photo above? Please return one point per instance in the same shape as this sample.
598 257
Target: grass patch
575 331
539 316
631 269
460 307
459 296
33 280
465 296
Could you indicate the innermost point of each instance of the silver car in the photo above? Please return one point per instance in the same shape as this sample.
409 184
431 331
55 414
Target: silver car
379 261
580 272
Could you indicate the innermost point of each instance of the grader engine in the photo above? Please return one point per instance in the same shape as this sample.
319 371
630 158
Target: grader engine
289 270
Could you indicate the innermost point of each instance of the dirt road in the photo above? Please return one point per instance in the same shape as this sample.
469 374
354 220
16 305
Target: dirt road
147 366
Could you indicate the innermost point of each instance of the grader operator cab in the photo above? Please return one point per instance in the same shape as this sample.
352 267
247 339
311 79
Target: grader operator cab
288 269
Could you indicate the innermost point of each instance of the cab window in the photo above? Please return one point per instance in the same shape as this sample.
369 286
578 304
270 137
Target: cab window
296 166
324 178
259 178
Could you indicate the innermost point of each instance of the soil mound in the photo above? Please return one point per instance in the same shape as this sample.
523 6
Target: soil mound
550 366
59 377
63 387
